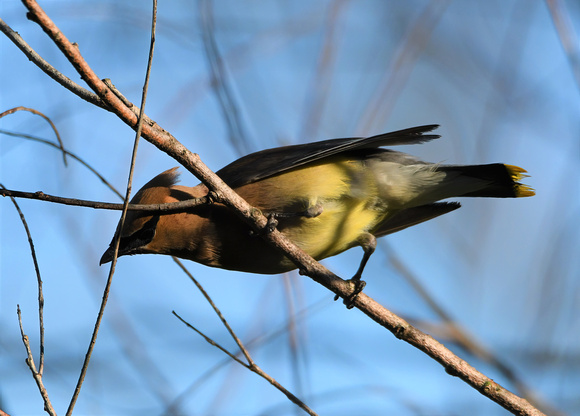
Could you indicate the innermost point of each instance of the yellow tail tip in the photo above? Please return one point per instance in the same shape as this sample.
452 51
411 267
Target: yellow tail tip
517 174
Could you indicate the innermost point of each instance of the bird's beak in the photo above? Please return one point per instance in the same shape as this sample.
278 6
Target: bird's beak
107 256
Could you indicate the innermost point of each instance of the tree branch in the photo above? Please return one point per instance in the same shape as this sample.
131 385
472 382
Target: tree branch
36 374
165 208
48 69
48 120
252 367
39 283
168 144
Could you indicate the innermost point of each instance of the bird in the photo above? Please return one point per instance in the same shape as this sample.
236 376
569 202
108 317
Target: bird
326 197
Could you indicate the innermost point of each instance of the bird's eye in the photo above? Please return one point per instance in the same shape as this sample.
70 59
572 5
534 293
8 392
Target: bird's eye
141 237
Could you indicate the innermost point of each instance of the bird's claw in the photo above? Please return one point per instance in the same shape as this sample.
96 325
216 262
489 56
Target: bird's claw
270 226
359 285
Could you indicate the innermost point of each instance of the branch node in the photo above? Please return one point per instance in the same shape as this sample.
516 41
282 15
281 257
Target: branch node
111 86
400 331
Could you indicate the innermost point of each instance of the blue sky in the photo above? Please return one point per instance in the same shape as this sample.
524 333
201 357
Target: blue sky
493 74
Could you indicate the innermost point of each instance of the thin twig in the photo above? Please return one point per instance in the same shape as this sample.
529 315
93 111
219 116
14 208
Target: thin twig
123 215
66 82
65 152
252 367
164 208
38 113
211 341
250 362
35 374
39 282
217 311
255 342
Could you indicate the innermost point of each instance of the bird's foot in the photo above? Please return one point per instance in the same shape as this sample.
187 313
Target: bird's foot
313 211
358 286
212 197
269 227
310 212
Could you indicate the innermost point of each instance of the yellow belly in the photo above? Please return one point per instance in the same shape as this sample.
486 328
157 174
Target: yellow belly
346 192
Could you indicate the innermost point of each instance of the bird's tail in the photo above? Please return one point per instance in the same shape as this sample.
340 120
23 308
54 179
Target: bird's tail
495 180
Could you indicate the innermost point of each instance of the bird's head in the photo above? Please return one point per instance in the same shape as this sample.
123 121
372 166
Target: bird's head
140 227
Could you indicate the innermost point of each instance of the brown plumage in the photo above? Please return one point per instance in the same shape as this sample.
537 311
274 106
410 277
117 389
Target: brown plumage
327 197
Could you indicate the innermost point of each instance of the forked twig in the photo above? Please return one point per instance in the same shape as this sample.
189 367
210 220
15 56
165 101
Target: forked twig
252 367
37 374
216 310
255 342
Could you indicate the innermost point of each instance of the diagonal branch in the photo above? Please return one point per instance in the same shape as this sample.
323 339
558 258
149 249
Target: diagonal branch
66 153
168 144
252 367
30 362
241 346
48 69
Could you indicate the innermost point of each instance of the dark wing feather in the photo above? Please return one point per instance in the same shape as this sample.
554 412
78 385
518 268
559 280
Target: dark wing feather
266 163
413 216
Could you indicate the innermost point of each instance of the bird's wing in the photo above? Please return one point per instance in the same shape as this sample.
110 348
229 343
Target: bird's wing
266 163
413 216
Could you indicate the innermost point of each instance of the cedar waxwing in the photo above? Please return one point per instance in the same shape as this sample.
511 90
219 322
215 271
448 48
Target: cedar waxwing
326 196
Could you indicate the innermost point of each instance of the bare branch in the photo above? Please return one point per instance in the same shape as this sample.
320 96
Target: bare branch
39 282
36 374
217 311
166 207
38 113
255 342
72 155
459 335
253 367
49 69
